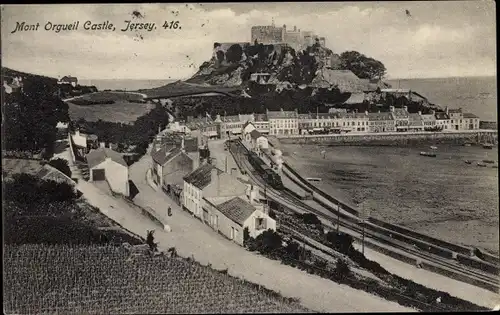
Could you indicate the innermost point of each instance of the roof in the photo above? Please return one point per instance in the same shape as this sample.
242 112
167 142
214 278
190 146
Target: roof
469 115
248 123
282 114
165 154
356 98
191 144
400 113
380 116
260 117
237 210
345 80
96 157
415 117
441 116
49 172
255 134
202 176
233 118
352 115
69 79
427 117
454 110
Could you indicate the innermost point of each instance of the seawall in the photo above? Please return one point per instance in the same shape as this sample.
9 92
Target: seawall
394 139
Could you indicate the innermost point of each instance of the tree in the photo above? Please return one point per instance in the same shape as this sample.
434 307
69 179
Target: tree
61 165
362 66
234 53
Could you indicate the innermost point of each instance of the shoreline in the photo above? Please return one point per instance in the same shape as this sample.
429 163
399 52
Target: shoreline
422 209
394 138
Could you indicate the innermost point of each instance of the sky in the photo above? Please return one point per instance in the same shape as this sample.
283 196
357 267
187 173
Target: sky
439 39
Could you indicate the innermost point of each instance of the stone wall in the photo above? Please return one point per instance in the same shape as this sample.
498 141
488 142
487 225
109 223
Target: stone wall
391 139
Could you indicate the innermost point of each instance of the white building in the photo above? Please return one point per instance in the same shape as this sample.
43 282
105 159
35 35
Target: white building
283 123
209 181
258 142
355 122
470 122
106 164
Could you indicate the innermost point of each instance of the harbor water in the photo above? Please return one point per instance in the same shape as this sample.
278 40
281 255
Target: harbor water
440 196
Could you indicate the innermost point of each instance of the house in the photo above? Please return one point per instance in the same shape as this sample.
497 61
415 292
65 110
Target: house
68 80
354 121
471 122
174 159
84 142
456 118
261 123
283 122
443 120
381 122
319 122
231 217
246 129
428 120
401 118
108 165
416 122
209 181
258 141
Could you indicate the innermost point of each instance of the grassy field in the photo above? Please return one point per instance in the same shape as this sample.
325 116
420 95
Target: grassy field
120 111
18 166
111 95
107 279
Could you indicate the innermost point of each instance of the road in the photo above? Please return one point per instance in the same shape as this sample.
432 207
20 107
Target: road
79 96
192 238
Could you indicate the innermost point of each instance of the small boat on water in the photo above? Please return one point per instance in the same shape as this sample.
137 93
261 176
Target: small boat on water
488 161
430 154
434 147
495 166
467 144
481 164
468 162
488 146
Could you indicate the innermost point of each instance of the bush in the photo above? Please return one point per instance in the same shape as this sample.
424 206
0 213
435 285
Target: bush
61 165
310 218
341 242
342 269
268 242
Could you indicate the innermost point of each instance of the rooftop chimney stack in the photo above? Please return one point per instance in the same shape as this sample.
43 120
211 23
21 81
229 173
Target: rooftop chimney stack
391 108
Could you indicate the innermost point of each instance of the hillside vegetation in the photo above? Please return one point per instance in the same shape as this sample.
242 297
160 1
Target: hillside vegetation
31 113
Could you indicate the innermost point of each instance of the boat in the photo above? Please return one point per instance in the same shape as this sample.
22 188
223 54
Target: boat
434 147
468 162
488 161
488 146
494 166
467 144
430 154
481 164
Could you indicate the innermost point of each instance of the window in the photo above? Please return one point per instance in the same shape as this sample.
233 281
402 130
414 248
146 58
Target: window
260 224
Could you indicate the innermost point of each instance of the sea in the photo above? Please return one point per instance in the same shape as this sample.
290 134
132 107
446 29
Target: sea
124 84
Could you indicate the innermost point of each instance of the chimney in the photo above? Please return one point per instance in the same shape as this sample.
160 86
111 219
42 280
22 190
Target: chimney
366 112
447 112
281 109
405 108
215 179
102 144
391 108
420 113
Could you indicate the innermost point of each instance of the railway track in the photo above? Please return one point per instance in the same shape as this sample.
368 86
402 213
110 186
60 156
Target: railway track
404 243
